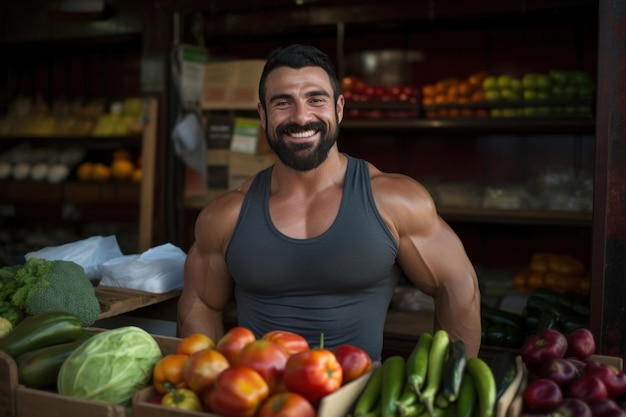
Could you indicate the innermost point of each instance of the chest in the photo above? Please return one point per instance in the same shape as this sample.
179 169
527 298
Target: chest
306 216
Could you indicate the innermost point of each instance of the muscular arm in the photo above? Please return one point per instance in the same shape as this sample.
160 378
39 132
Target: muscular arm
208 285
432 257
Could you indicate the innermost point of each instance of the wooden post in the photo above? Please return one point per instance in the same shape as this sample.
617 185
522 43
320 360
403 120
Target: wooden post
608 283
148 158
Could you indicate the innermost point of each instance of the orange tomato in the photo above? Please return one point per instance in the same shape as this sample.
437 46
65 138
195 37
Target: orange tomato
194 343
268 359
291 342
286 404
239 391
169 369
202 368
233 341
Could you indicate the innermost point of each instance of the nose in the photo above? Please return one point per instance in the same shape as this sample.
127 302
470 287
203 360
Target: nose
302 113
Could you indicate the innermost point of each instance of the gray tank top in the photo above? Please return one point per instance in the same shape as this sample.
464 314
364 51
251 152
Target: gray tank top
339 283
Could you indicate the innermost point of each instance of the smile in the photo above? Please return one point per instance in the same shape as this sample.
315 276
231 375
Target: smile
301 135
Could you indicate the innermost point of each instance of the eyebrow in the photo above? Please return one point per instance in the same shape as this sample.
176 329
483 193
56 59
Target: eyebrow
313 93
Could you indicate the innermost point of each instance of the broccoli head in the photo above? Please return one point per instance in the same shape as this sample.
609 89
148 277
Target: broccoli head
56 285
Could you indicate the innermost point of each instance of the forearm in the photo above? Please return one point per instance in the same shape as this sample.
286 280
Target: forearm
461 323
196 317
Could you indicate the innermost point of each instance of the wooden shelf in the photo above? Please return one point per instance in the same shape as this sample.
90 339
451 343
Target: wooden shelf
115 301
533 217
479 124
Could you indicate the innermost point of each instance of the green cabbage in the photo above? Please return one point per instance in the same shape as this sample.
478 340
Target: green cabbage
110 366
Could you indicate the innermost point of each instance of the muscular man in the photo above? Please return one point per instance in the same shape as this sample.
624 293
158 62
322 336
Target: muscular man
315 243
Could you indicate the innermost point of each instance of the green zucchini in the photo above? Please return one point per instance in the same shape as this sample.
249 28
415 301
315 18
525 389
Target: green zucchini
453 370
40 368
485 384
504 369
39 331
369 398
495 315
467 401
393 377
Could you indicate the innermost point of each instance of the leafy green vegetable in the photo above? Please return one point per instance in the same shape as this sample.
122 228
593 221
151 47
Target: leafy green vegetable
43 285
8 286
110 366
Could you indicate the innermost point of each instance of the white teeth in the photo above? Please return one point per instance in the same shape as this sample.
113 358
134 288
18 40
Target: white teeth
303 134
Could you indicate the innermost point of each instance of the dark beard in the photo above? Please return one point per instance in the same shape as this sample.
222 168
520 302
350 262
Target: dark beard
302 156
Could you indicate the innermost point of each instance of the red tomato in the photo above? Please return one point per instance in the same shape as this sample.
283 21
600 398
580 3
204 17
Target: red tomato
202 368
239 392
268 359
193 343
354 361
313 374
292 342
286 404
233 341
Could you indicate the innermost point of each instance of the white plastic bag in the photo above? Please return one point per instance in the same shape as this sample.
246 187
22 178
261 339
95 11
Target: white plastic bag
157 270
88 253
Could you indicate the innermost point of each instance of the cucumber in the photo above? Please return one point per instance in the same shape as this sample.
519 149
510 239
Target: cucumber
369 399
39 331
453 370
504 371
393 377
485 386
39 368
417 363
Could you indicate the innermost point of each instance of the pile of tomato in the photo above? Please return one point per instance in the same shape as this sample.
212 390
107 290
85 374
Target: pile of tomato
278 374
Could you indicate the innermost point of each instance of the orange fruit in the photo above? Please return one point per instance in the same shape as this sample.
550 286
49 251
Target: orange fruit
100 172
137 175
122 169
121 154
84 171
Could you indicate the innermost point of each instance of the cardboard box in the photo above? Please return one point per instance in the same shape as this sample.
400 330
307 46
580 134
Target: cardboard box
337 404
232 85
242 166
19 401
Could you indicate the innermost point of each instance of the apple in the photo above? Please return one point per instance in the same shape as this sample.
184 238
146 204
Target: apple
580 343
588 388
529 81
542 396
572 407
560 370
604 408
490 83
504 81
543 81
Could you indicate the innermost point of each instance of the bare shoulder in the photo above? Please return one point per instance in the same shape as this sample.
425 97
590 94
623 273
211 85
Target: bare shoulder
216 221
399 191
402 200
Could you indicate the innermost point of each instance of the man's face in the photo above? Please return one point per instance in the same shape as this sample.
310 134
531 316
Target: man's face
301 117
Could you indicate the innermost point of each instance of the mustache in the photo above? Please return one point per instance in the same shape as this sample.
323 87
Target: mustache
291 128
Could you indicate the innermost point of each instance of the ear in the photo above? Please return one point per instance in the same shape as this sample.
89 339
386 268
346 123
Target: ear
262 116
341 101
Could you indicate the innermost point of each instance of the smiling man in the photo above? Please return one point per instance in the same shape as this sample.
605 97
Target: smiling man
315 243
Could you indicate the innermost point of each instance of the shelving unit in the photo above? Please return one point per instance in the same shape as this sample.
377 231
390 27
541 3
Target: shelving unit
456 38
45 203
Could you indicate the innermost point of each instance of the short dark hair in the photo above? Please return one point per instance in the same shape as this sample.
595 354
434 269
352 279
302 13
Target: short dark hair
298 56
